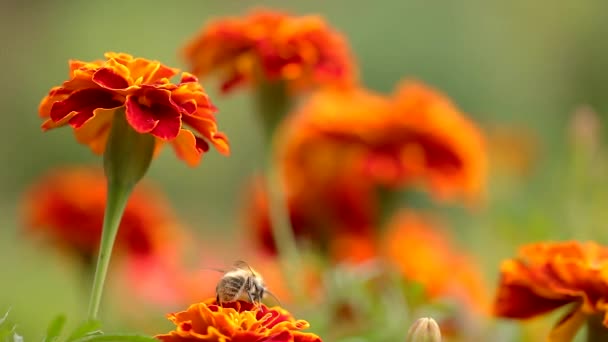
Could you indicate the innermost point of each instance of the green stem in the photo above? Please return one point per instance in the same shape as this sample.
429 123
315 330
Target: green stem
596 331
126 159
273 105
116 203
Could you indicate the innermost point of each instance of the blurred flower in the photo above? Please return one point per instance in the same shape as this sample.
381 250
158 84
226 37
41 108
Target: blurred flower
152 104
424 254
417 136
66 206
512 150
424 330
322 220
273 46
236 322
547 276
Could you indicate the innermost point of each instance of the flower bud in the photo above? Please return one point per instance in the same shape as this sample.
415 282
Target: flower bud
424 330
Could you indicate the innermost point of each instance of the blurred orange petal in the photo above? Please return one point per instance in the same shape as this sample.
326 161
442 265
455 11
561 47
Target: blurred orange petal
66 206
269 45
424 254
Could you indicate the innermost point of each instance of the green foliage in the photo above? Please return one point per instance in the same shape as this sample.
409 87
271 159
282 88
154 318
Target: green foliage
88 331
8 331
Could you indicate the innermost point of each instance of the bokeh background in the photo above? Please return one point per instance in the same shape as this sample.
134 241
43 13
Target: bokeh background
520 69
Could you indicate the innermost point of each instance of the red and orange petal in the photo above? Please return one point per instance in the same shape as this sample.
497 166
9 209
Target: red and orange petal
549 275
268 45
95 91
424 254
416 136
454 157
236 322
66 206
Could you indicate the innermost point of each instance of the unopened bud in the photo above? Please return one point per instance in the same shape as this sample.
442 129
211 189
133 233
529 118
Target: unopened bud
424 330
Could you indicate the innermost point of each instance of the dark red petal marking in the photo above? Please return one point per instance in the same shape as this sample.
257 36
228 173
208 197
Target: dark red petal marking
139 116
188 106
201 145
169 122
79 119
83 100
109 79
186 78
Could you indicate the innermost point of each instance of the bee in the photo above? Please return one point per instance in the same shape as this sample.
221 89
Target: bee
242 282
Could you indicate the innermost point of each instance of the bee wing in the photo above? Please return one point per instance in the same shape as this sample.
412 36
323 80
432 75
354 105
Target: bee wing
240 264
214 269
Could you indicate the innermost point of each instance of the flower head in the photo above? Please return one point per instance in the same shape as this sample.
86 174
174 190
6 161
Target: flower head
273 46
66 206
423 254
546 276
236 322
89 99
415 136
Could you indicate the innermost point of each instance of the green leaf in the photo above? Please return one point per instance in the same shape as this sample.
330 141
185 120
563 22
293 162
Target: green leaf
117 338
86 329
54 330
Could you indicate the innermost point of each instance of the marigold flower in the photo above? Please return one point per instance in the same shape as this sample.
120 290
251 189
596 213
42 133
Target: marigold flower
269 45
549 275
89 99
236 322
424 254
418 135
67 205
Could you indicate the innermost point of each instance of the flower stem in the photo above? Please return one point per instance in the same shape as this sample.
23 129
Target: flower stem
273 104
117 200
126 159
596 331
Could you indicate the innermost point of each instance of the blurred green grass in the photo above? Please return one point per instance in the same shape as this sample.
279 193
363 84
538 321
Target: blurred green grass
518 63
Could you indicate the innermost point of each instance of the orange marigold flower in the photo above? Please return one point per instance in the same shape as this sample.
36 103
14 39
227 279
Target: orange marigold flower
424 254
418 135
236 322
549 275
303 51
152 104
66 206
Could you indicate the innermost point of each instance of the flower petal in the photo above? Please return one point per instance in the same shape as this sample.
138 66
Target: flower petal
82 101
186 147
139 116
110 79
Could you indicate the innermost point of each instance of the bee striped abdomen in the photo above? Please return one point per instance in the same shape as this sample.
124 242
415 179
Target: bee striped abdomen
231 288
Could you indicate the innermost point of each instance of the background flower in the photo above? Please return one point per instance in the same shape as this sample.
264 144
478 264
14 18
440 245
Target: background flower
66 207
270 45
423 253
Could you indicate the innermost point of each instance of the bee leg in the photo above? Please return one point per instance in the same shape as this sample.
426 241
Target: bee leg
253 301
217 300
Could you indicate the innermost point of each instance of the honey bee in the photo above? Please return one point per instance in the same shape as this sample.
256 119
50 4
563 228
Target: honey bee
242 282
